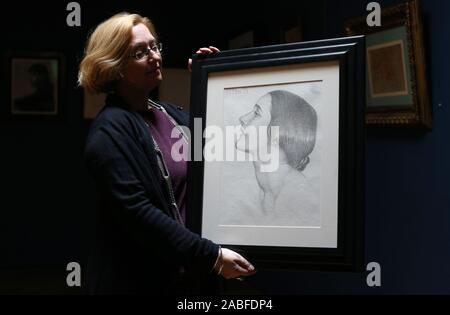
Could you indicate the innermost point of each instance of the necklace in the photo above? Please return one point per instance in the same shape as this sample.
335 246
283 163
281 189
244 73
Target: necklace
152 104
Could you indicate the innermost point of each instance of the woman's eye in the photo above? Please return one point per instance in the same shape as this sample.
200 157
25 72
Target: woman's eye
139 54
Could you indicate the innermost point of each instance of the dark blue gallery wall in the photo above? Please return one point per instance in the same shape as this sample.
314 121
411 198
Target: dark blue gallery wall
407 186
408 179
43 214
46 198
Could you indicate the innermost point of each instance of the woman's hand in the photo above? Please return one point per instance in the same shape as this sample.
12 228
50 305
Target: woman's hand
234 265
203 51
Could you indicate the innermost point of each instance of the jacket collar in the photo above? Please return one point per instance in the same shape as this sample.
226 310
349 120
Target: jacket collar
114 99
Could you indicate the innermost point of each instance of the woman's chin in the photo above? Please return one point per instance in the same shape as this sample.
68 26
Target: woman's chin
240 147
245 149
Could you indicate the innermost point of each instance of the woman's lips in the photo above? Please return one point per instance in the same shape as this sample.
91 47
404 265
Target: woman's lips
152 71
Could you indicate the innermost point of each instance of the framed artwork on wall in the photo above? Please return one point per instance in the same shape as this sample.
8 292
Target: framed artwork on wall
397 91
284 185
36 81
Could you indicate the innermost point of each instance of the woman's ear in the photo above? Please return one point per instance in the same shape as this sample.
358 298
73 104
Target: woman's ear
119 75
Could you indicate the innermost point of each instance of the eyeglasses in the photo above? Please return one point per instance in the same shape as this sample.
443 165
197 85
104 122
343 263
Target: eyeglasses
142 53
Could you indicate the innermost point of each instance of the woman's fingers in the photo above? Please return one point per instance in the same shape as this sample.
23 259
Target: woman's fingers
243 263
243 266
203 51
234 271
235 265
207 50
240 270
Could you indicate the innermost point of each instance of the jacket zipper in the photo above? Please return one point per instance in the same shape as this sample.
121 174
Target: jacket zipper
161 108
163 166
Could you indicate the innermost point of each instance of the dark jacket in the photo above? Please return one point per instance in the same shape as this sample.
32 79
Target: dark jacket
139 246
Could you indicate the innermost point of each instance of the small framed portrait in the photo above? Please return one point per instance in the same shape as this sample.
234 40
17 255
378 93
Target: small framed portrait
397 91
280 178
36 81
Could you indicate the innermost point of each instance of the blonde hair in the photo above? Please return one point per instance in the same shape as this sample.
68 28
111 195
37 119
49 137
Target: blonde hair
107 51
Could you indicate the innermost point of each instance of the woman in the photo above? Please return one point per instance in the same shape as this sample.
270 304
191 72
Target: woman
296 121
142 244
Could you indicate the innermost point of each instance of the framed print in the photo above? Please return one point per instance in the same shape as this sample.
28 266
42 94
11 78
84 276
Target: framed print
279 177
35 86
397 92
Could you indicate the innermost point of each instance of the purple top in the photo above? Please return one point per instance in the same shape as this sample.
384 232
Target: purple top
161 129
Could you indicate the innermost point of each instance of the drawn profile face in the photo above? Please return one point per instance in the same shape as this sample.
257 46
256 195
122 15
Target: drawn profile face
250 123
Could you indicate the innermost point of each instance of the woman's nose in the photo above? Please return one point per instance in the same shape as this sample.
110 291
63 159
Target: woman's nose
153 56
245 119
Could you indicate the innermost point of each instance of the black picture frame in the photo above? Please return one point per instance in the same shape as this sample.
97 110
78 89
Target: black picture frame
35 86
348 54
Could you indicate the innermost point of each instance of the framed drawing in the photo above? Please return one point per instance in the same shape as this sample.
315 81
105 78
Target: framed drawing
280 178
397 92
35 86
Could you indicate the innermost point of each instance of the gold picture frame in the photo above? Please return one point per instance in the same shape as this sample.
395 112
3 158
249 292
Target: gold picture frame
396 87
